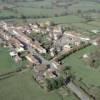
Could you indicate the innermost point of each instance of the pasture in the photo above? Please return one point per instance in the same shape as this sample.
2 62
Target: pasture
6 62
23 87
81 70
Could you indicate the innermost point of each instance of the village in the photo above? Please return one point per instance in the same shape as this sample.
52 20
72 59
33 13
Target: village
36 41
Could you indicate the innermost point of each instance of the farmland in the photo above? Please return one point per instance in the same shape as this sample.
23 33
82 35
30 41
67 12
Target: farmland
23 87
62 19
6 62
81 69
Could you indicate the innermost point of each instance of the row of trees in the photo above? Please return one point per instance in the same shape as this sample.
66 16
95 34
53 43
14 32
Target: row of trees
22 17
13 1
63 55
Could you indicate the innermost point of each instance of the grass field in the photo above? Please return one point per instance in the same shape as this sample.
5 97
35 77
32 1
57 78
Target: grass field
23 87
6 62
81 69
95 23
28 11
62 19
84 6
35 4
6 13
86 26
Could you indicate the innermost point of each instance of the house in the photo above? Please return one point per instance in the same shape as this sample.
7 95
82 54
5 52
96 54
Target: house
72 34
96 41
85 56
57 32
52 52
25 40
36 45
57 29
13 54
32 59
34 27
66 48
49 29
38 72
17 58
42 71
95 31
49 74
54 32
4 25
4 36
40 68
49 23
15 43
20 49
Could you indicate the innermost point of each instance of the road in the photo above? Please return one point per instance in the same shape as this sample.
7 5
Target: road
78 91
34 52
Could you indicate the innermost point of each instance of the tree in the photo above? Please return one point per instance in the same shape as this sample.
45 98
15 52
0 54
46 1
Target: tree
24 18
55 83
49 85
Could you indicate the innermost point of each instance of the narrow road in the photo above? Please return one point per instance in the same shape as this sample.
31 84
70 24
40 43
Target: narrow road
12 73
78 91
43 60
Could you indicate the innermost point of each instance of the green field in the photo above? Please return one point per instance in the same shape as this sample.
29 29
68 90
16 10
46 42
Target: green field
84 5
89 75
94 23
39 12
62 20
45 3
7 14
23 87
6 62
86 26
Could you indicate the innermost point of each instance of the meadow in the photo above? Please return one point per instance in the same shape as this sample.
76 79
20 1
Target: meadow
89 76
6 62
23 87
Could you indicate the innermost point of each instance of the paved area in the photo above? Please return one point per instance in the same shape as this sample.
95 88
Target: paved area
78 91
